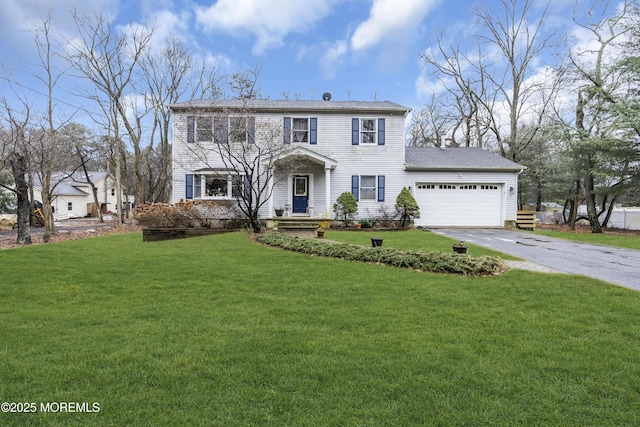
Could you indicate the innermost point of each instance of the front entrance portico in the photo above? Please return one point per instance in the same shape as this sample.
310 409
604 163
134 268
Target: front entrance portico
302 182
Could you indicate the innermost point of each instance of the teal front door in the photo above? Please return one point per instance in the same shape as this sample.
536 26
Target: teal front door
300 194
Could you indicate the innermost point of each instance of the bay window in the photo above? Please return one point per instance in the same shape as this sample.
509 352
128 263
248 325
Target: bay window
217 186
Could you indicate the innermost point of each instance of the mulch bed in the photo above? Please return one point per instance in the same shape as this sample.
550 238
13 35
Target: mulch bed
8 240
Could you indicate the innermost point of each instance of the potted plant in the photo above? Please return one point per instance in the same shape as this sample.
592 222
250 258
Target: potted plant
460 248
320 232
279 211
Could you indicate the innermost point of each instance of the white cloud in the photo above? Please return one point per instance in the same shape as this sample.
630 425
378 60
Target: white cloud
390 19
170 25
269 21
332 58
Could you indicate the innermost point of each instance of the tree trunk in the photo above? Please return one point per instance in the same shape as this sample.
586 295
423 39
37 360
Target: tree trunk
19 168
592 211
607 218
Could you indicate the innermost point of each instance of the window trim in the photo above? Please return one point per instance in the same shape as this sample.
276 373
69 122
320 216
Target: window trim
222 129
369 188
373 131
197 128
307 131
358 134
379 187
289 129
244 120
200 186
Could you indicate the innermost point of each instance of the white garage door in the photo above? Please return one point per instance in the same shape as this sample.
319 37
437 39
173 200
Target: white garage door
459 205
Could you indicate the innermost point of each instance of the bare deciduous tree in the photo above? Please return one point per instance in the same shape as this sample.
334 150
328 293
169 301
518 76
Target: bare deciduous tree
170 75
109 60
487 78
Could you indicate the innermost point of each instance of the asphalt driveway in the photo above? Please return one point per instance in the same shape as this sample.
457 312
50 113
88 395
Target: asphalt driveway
615 265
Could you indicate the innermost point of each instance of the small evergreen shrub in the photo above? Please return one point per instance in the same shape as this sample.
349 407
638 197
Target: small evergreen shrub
345 207
434 262
407 207
368 222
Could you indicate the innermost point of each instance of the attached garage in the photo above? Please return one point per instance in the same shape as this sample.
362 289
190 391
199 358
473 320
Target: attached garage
462 187
461 205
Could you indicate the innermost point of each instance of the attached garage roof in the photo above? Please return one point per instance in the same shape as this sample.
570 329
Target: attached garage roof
456 158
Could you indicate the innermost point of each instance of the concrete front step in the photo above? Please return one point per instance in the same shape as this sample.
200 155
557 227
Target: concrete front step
298 226
290 224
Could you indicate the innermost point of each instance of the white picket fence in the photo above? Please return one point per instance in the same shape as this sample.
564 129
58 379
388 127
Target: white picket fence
624 218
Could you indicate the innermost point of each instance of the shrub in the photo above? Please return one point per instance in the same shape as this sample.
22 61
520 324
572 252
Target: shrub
189 214
407 207
368 222
345 207
386 217
434 262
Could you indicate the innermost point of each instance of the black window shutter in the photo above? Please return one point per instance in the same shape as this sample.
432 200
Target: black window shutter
246 188
287 130
355 131
251 130
381 188
313 130
188 194
355 186
191 129
381 131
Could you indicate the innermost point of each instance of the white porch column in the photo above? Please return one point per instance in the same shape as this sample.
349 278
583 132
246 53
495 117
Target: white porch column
327 186
270 193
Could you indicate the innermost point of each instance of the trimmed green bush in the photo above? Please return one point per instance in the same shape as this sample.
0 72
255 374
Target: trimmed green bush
407 207
345 207
433 262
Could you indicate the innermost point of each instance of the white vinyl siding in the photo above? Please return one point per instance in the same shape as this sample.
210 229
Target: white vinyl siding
334 141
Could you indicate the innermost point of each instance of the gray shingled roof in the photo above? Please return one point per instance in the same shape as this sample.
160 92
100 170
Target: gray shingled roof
457 158
263 105
76 185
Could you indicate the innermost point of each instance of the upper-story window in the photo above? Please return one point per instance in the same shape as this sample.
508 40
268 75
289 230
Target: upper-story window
367 131
303 130
221 129
300 131
204 129
238 129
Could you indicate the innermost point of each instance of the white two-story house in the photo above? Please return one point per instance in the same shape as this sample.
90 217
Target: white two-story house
317 150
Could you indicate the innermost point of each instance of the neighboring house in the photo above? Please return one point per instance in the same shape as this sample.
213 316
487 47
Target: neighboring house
340 146
73 197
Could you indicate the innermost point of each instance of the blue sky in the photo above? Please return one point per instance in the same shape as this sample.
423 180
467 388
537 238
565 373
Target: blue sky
354 49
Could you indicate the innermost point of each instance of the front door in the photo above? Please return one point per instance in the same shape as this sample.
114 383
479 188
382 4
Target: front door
300 194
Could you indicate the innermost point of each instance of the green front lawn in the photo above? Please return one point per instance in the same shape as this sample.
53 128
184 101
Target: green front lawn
629 242
220 330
